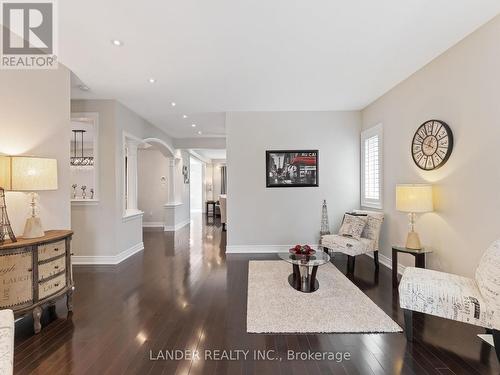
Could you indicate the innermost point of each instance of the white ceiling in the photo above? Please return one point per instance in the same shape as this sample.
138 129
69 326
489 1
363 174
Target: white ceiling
225 55
212 154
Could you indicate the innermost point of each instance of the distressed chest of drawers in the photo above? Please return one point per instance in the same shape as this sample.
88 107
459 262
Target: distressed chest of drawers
35 273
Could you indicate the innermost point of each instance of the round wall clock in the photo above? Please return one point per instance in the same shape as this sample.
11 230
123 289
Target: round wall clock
432 145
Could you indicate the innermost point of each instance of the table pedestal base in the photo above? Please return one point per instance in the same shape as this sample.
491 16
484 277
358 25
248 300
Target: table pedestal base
303 281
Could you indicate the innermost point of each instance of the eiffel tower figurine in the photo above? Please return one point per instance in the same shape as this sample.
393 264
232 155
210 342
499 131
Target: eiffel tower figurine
5 228
325 226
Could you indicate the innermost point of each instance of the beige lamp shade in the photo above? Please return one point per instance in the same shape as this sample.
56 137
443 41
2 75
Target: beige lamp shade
414 198
33 174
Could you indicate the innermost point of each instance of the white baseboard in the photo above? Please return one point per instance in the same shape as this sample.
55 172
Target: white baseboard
170 228
259 249
152 224
107 259
487 338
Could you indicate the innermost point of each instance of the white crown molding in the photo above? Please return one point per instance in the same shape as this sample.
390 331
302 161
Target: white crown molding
106 259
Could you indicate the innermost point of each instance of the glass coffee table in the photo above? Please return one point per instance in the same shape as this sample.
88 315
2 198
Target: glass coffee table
305 267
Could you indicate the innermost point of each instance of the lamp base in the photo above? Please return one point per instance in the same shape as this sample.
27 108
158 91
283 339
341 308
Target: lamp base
33 228
413 241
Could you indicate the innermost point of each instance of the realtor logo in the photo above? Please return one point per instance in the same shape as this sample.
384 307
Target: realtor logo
28 35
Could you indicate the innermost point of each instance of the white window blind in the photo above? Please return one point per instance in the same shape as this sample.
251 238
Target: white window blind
371 167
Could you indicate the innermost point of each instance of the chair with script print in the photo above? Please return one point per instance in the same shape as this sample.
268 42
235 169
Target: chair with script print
474 301
359 234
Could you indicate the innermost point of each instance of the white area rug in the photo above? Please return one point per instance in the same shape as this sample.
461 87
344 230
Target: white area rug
338 306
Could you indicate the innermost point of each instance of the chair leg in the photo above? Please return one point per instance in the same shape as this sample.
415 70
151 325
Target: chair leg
375 259
223 227
408 324
351 262
496 341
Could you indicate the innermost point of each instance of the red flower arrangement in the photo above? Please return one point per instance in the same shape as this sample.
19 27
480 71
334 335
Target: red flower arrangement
302 250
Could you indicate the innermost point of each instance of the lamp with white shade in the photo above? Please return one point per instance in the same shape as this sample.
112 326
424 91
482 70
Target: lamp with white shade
414 199
29 174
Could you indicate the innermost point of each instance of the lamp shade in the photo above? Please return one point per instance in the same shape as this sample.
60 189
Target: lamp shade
414 198
32 174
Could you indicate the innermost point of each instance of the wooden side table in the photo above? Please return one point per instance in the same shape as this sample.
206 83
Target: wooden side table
419 256
35 273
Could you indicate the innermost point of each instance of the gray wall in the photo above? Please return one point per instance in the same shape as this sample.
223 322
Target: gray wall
94 225
262 219
462 88
152 193
100 231
35 121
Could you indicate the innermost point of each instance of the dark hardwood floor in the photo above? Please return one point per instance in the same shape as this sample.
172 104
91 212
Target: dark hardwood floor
183 292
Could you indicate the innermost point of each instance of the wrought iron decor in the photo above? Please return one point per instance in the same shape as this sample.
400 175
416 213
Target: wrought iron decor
5 227
80 160
325 226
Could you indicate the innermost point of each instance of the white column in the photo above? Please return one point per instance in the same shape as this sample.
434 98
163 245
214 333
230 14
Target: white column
132 174
171 181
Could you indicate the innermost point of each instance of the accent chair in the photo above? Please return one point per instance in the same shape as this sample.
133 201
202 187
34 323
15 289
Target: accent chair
223 213
352 247
474 301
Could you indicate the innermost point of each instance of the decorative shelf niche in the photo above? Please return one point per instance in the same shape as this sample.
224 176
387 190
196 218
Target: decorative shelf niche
84 162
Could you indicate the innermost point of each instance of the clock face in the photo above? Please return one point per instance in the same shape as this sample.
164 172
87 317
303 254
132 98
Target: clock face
432 145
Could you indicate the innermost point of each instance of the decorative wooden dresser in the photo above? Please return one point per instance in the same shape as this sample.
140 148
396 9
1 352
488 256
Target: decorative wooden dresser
36 272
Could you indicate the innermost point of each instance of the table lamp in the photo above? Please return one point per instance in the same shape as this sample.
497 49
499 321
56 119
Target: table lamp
32 174
413 199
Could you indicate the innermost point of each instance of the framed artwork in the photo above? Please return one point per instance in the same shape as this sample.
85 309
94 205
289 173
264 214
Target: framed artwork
292 168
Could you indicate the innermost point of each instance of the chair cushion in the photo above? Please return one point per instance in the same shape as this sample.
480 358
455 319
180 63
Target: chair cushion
347 245
353 226
373 225
372 228
446 295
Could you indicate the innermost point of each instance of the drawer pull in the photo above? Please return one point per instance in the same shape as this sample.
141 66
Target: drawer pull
56 267
29 269
56 249
56 285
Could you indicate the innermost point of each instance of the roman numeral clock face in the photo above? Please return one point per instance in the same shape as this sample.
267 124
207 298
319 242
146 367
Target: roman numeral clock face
432 145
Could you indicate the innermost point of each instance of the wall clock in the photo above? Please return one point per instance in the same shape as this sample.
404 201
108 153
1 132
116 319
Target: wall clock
432 145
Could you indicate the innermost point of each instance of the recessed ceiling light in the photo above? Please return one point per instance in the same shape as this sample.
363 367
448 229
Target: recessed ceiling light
173 104
117 42
152 80
193 125
83 87
184 116
199 132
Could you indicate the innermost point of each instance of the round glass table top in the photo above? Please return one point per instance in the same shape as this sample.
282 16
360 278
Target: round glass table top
317 259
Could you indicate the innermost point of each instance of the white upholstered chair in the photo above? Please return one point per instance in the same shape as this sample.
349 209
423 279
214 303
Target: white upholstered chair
352 247
6 342
474 301
223 213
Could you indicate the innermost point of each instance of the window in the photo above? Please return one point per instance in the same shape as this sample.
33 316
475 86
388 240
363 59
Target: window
371 167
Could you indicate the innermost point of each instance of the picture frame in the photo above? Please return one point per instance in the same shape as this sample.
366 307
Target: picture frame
292 168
